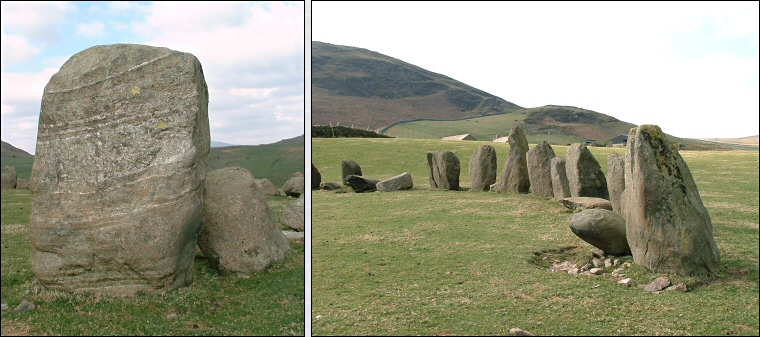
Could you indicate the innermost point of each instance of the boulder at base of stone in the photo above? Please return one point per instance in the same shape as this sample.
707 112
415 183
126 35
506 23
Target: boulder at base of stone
483 168
316 177
117 180
443 169
22 184
9 178
584 174
586 203
295 186
400 182
293 215
560 185
603 229
330 185
239 232
514 177
540 170
361 184
267 187
349 167
668 227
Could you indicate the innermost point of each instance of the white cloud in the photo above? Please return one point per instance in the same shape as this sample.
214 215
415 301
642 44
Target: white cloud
35 20
16 49
617 58
93 29
252 55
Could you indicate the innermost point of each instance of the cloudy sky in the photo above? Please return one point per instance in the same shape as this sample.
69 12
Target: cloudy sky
689 67
252 55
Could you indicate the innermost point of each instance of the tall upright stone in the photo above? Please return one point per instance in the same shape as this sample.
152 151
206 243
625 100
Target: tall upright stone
584 174
9 177
443 169
514 177
560 185
118 176
316 177
616 179
667 226
540 169
483 168
349 167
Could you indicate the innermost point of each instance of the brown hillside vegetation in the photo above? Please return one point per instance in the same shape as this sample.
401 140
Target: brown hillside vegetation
355 86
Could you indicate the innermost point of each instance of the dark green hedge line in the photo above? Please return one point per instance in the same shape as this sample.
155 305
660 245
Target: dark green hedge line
326 131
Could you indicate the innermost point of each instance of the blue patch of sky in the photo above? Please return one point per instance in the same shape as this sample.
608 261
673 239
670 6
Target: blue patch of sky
707 40
116 30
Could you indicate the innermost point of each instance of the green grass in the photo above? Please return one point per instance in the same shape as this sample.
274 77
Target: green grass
433 262
270 302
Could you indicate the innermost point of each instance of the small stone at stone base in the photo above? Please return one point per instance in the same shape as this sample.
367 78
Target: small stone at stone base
626 281
679 287
657 285
172 316
519 332
24 306
596 271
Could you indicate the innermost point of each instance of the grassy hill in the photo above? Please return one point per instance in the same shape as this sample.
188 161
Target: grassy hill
433 262
276 162
362 88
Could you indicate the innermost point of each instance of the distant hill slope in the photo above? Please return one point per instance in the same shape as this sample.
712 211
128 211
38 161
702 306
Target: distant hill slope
276 162
362 88
11 151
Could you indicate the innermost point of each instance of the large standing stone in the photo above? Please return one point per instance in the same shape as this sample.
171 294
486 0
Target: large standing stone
540 170
584 174
443 169
514 177
9 178
400 182
615 179
295 186
483 168
668 227
239 232
293 215
117 180
560 185
603 229
316 177
349 167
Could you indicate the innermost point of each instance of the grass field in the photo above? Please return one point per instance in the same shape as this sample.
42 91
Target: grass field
433 262
271 302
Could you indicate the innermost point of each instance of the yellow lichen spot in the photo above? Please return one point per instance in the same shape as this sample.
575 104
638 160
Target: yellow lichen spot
135 90
161 125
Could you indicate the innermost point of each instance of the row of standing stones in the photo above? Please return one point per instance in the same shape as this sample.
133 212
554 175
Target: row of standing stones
10 179
120 194
648 208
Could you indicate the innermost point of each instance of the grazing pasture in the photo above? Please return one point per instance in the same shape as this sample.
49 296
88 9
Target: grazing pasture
435 262
270 303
